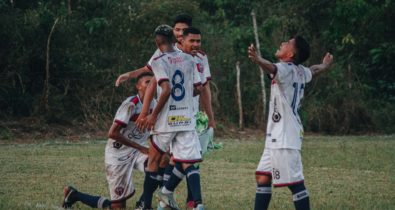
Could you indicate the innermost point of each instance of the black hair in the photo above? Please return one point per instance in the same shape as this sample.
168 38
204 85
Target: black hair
302 50
191 30
183 18
166 32
144 74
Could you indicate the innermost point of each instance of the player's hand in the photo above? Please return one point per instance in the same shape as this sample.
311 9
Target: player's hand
328 59
140 122
122 78
252 54
144 150
150 122
211 124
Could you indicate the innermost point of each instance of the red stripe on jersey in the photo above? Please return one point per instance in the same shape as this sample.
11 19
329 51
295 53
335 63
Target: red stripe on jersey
157 147
287 184
162 80
159 57
135 100
201 52
187 161
149 67
197 84
120 123
267 173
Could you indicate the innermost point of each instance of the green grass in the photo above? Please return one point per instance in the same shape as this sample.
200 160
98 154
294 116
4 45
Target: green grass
341 173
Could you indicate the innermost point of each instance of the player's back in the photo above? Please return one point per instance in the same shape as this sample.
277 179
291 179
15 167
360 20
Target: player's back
180 70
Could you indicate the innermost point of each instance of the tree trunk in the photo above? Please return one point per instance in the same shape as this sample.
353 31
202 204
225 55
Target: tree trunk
241 126
262 75
46 82
69 6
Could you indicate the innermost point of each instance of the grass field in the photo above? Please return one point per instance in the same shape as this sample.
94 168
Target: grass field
341 173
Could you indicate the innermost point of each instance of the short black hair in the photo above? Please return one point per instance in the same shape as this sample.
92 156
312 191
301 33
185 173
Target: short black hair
144 74
302 50
183 18
191 30
166 32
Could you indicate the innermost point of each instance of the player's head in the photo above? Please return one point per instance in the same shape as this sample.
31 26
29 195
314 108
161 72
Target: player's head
143 80
191 40
163 36
181 22
295 50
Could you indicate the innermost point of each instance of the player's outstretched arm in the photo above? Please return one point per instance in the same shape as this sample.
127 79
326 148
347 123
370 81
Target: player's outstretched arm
131 74
326 63
115 133
148 96
266 65
164 96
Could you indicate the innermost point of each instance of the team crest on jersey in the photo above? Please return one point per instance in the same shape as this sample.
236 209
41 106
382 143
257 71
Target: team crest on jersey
119 191
135 134
276 117
200 68
116 145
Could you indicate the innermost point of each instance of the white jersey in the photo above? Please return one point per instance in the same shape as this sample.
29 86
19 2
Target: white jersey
158 53
204 72
126 115
180 69
284 128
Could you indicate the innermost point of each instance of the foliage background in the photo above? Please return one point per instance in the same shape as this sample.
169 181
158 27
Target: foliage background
96 40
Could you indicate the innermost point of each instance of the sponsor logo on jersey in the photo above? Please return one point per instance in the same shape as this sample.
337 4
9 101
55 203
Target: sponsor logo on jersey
178 120
174 107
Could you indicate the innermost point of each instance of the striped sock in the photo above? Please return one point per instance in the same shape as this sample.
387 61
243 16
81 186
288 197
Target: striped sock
300 196
262 196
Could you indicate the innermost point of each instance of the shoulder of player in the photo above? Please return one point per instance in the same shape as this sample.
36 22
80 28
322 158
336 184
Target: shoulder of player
131 100
202 53
158 57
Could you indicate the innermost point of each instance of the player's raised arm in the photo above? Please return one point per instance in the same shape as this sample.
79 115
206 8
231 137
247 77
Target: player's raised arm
266 65
131 74
326 63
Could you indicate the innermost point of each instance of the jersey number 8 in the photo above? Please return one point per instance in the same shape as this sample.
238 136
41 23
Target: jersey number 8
178 90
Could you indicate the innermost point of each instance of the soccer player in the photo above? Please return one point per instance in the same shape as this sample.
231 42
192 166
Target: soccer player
126 150
172 120
191 43
281 161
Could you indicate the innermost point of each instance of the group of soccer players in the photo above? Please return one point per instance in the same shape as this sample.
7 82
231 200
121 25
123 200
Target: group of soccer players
178 73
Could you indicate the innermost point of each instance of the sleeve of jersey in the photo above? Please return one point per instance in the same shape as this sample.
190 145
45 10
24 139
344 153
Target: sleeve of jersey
308 74
197 80
283 73
207 72
159 72
156 54
124 113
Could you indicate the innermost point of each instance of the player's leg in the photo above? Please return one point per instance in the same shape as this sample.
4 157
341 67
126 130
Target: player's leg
188 152
120 182
288 171
263 178
163 164
169 168
72 196
159 145
140 162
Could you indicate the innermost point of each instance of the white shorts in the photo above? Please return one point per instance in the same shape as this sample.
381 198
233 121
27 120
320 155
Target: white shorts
283 165
185 145
119 177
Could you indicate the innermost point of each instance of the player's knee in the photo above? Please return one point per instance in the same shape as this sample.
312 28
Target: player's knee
164 161
263 179
118 205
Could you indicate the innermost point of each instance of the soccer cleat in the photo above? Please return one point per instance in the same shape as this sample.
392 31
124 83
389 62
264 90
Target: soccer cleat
139 205
199 207
163 206
68 200
168 199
